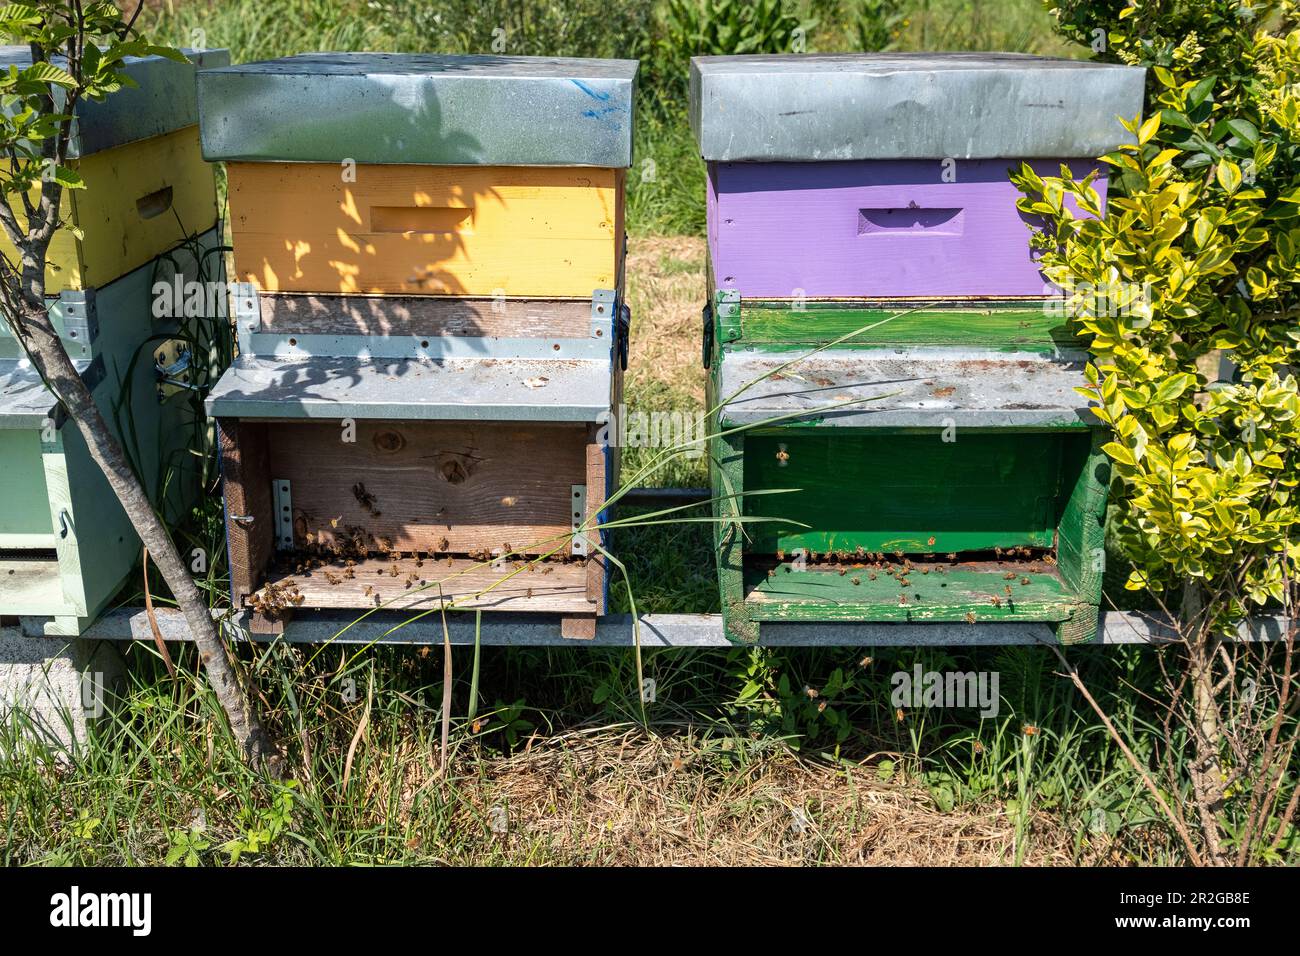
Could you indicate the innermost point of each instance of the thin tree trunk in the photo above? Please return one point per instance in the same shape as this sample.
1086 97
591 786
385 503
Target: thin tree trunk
1206 771
52 361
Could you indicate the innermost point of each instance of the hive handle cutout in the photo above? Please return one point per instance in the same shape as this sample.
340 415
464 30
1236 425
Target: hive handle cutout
910 220
154 204
427 220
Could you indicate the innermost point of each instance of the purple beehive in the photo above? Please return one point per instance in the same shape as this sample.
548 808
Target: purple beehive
880 176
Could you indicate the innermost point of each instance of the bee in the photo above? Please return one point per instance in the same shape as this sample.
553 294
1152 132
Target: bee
1024 580
970 617
857 581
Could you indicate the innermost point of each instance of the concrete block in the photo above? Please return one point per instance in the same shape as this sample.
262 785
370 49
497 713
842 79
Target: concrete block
52 688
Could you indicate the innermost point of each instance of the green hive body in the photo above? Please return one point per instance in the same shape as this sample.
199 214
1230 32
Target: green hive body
890 521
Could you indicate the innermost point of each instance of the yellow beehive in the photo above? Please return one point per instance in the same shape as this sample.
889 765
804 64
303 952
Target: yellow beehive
517 231
147 186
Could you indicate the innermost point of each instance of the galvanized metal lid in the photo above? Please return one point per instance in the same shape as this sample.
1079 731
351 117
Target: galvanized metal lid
162 102
420 108
909 106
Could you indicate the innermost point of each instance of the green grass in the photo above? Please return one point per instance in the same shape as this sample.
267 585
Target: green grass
164 775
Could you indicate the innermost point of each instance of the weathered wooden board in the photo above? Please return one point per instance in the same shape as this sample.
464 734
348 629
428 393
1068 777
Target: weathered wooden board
866 229
455 488
411 584
246 479
424 316
140 200
30 585
544 232
947 593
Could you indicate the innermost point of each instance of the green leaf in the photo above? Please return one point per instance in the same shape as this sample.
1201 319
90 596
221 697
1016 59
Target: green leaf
68 178
1173 386
1229 175
1119 453
49 73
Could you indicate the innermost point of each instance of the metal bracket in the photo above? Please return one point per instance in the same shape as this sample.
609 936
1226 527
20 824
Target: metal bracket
728 313
604 307
578 503
74 314
248 316
282 501
294 346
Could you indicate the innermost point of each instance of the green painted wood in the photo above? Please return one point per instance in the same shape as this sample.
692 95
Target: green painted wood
100 552
957 593
1011 328
915 493
24 509
1081 550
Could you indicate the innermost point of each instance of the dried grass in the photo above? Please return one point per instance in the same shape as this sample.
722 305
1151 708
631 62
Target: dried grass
666 289
620 796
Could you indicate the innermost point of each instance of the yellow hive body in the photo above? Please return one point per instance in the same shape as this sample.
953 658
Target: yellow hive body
546 232
140 200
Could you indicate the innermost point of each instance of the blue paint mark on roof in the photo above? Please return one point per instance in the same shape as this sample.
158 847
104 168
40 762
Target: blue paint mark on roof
595 95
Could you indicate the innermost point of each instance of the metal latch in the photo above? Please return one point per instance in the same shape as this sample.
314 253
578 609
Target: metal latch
624 333
172 362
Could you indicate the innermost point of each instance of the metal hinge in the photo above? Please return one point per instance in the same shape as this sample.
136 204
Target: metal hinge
283 503
578 510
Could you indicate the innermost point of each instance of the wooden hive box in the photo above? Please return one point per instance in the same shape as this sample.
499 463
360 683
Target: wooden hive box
423 469
884 352
66 546
147 214
147 185
431 332
456 176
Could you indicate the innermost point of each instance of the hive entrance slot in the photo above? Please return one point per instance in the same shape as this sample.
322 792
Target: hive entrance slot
910 220
155 203
431 220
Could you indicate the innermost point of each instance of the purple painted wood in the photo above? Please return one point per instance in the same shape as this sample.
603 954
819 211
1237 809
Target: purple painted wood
875 228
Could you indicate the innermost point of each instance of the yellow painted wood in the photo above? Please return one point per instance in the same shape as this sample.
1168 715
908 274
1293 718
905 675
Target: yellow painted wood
140 200
548 232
